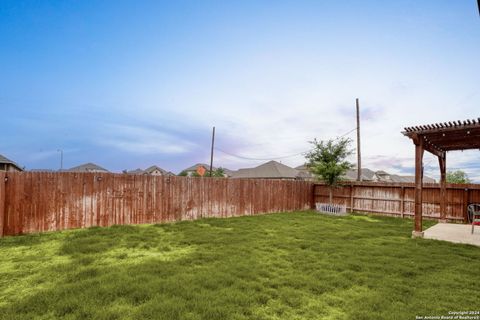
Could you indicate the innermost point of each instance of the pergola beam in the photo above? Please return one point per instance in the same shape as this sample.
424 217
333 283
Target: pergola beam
433 150
438 134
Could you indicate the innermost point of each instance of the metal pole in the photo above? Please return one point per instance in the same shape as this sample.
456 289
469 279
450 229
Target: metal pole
211 152
359 154
61 158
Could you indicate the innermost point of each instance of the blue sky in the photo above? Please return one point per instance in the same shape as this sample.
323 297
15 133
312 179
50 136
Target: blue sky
128 84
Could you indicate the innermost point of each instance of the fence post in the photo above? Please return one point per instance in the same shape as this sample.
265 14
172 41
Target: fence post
2 202
312 198
402 202
351 197
466 193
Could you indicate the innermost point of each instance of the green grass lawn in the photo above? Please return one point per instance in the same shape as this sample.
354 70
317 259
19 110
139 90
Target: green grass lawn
279 266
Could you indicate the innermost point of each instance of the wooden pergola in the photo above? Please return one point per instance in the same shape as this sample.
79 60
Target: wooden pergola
437 139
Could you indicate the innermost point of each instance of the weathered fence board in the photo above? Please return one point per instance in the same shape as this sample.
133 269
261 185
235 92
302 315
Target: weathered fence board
42 201
399 199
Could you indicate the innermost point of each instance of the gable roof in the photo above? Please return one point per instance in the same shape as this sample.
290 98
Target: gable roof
302 167
195 166
370 175
410 179
5 160
87 167
228 172
269 170
136 171
382 176
153 168
304 172
351 174
367 174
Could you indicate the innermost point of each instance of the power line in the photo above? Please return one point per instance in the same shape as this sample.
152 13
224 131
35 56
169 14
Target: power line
261 159
280 157
343 135
284 139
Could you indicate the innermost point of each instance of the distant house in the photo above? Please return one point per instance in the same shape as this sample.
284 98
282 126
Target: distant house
269 170
227 172
193 169
383 176
8 165
136 171
304 172
351 175
153 171
368 175
156 171
87 167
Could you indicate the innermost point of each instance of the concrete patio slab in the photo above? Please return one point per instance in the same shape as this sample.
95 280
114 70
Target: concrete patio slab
452 232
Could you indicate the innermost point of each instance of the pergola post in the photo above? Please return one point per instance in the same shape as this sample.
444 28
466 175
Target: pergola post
438 139
417 232
443 186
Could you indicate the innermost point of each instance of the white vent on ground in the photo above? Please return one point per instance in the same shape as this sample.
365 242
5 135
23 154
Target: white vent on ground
334 209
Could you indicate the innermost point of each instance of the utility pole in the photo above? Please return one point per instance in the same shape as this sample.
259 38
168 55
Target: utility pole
61 158
359 154
211 152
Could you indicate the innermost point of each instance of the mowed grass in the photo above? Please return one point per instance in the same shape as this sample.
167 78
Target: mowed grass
280 266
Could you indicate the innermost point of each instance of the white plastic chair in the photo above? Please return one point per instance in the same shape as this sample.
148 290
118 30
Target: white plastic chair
474 214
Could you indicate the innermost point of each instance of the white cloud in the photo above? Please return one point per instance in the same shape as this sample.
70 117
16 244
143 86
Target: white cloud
141 140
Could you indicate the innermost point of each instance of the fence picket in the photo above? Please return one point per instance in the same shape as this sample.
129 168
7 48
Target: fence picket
397 199
36 202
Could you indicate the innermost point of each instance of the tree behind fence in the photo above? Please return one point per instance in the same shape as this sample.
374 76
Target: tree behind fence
37 201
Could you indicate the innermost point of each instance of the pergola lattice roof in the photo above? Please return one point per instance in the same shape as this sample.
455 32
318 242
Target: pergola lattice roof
447 136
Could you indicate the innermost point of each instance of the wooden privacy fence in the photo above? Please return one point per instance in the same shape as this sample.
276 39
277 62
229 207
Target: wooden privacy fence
398 199
39 201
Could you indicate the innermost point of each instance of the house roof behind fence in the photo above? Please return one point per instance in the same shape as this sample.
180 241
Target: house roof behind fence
269 170
194 167
136 171
5 160
88 167
367 174
153 168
